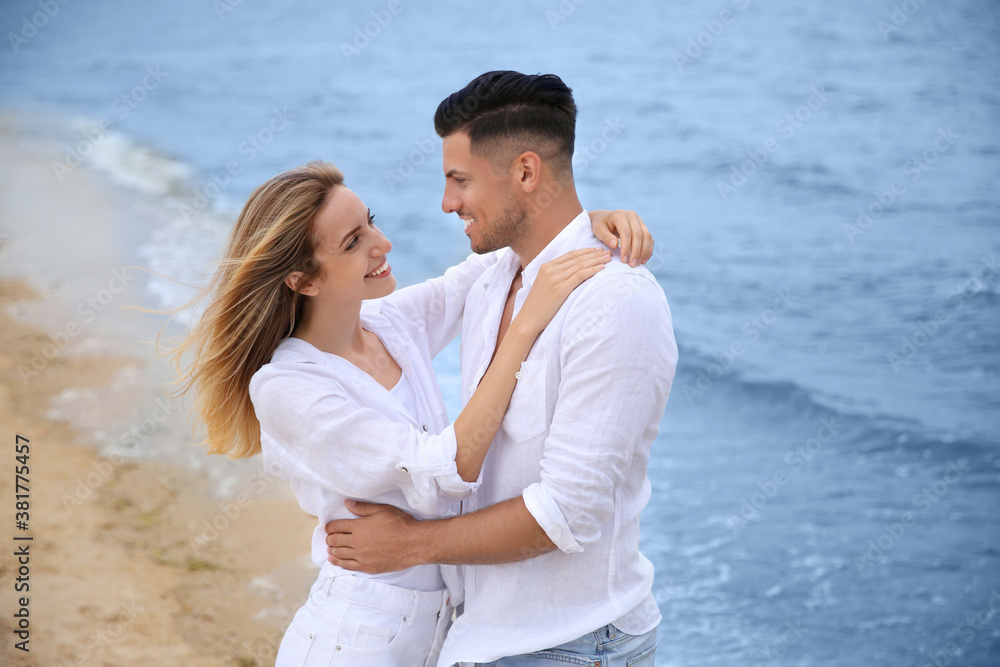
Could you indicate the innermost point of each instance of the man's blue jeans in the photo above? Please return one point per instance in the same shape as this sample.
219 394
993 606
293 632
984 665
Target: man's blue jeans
607 647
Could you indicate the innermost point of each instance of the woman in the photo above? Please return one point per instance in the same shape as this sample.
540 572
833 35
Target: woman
306 354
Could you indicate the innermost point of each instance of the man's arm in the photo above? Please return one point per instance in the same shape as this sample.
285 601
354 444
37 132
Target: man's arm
386 539
618 357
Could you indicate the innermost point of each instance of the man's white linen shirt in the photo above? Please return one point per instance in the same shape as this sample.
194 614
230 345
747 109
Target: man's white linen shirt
335 433
575 445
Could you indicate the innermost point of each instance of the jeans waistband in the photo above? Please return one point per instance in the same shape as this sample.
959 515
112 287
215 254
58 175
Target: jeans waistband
380 595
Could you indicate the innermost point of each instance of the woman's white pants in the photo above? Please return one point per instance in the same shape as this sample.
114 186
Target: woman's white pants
363 622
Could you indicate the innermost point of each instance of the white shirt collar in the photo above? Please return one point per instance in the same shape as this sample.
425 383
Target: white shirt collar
291 348
506 267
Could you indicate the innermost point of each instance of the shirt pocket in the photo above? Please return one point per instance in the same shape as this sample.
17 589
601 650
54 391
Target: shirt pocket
527 415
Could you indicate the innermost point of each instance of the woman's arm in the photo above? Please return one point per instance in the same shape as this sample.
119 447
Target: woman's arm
312 430
436 306
477 425
317 431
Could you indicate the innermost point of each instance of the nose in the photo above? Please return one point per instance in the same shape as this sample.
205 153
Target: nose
382 246
450 202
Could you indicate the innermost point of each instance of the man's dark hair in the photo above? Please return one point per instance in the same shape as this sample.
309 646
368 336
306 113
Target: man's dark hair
506 113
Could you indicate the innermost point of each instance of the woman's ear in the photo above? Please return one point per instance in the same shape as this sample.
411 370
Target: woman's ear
295 279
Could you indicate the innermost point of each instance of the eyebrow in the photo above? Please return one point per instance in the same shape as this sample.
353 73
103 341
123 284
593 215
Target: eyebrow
453 172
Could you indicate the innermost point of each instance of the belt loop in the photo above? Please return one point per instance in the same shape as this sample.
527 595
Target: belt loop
413 610
328 586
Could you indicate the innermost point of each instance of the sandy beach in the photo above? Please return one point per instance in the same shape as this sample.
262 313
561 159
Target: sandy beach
141 550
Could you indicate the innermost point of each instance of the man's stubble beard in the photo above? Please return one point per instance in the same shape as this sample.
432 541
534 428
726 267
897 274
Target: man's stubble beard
511 225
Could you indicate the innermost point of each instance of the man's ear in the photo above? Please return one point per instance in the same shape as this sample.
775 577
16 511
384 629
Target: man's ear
295 279
528 171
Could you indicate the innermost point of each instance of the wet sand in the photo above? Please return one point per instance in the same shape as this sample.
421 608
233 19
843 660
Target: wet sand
143 551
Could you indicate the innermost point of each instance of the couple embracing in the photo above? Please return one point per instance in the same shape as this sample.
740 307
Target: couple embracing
511 535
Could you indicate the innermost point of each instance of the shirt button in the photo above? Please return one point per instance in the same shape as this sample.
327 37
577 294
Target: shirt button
404 470
425 428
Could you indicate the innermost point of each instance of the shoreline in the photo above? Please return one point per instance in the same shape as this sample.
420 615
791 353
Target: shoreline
144 550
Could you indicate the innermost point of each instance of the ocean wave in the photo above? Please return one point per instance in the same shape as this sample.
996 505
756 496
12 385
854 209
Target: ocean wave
193 221
132 164
792 408
182 254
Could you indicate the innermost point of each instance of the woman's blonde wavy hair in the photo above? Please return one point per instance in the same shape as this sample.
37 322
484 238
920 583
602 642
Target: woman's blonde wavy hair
249 308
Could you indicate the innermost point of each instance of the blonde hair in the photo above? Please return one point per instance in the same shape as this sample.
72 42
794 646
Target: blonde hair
249 307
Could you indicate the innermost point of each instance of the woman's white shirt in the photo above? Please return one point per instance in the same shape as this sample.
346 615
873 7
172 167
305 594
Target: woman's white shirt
335 433
403 391
422 577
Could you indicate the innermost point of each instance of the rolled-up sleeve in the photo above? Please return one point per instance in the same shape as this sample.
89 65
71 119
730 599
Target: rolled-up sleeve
435 307
618 357
315 434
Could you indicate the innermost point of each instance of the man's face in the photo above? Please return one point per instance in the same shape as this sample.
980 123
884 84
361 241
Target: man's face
485 200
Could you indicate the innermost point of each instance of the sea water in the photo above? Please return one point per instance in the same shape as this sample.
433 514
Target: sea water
821 181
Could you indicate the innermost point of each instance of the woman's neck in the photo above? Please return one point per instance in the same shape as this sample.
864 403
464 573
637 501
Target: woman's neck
334 330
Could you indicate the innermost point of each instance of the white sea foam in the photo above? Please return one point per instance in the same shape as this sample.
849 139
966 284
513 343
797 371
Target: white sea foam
182 254
132 164
186 241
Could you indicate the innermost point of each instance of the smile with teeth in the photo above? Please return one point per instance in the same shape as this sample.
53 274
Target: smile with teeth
468 222
379 271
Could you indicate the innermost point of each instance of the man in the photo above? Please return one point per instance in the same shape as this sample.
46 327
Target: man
550 541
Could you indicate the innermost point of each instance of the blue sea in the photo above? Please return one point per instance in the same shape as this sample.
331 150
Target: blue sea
821 179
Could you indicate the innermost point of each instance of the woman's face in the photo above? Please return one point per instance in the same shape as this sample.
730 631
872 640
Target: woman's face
351 252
